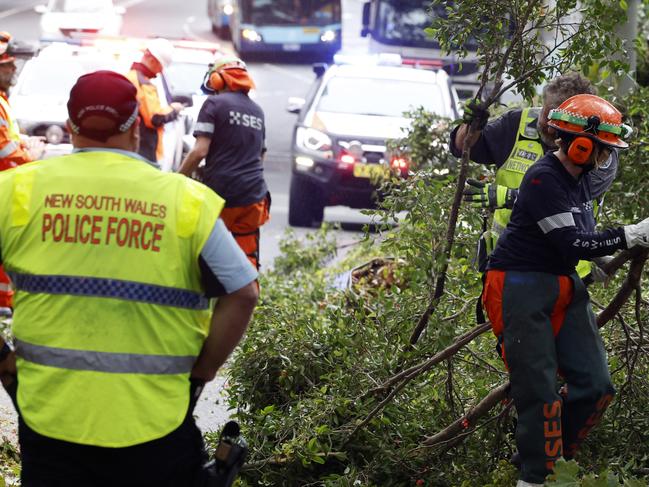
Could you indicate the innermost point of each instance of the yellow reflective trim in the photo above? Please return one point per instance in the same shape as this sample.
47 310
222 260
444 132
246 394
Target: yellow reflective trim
22 197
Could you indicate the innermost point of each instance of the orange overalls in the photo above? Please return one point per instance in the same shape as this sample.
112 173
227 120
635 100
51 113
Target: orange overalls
244 223
12 154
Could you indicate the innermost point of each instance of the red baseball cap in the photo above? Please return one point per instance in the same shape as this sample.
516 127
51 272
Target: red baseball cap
102 104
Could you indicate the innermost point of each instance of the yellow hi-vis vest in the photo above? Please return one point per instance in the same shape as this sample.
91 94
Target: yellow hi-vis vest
526 151
103 251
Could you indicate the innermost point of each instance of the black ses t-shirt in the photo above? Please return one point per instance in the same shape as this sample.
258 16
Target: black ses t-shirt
233 167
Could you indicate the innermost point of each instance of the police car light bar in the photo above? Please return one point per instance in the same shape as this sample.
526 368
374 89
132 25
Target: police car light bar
121 42
424 63
382 59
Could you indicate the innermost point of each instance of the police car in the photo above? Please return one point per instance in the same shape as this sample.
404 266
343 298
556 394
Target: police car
339 140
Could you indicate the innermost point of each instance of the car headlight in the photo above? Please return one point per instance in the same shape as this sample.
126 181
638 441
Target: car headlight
251 35
228 9
328 36
313 140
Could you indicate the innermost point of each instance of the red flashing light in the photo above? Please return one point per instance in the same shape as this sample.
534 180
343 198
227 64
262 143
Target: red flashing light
347 159
399 163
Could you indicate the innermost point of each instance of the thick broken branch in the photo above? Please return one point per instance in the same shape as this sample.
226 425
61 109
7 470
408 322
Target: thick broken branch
467 421
638 258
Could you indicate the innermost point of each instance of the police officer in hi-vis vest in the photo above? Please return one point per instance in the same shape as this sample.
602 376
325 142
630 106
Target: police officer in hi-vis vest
515 141
114 263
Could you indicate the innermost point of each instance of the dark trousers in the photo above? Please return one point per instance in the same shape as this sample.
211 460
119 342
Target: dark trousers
546 326
174 460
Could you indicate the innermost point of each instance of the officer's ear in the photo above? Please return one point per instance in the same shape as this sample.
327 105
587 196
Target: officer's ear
73 135
134 134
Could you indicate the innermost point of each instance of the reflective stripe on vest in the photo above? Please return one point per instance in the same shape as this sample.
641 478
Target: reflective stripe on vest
526 151
98 315
116 363
8 149
14 130
109 288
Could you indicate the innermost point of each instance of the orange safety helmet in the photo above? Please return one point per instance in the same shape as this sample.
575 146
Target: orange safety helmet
5 51
592 117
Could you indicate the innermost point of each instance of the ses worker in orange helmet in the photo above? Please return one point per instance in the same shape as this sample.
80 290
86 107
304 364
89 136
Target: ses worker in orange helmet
230 135
154 114
538 306
14 149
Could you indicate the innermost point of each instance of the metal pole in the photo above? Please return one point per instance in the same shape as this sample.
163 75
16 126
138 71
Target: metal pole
628 31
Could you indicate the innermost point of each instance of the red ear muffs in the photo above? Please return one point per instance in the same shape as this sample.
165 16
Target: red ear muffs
216 81
580 149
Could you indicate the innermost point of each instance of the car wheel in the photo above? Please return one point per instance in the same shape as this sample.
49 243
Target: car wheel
305 205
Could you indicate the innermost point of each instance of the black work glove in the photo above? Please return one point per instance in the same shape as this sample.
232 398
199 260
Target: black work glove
475 112
489 195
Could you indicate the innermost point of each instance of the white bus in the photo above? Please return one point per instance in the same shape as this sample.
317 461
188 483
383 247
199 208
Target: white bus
398 26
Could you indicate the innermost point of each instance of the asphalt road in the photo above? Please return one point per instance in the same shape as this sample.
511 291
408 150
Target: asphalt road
276 82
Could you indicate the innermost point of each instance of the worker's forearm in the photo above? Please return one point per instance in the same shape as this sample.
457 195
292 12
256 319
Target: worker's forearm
460 135
190 163
230 320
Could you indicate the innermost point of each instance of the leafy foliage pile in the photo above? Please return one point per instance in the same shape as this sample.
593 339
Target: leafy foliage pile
357 386
311 380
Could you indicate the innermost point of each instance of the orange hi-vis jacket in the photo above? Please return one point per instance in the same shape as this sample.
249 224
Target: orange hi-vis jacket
12 152
149 101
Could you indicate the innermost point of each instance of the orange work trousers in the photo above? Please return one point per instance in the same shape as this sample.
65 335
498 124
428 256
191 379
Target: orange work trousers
6 294
244 223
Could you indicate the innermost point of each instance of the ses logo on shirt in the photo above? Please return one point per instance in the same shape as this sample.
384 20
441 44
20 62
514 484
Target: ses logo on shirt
246 120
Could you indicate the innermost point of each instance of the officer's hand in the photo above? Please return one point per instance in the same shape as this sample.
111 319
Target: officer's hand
178 107
474 111
489 195
35 146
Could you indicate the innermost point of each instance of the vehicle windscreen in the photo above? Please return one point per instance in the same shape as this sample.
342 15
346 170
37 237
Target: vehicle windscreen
185 78
60 76
291 12
84 6
380 97
404 23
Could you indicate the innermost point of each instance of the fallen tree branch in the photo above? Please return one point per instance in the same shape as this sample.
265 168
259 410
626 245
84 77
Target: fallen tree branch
467 421
435 359
638 257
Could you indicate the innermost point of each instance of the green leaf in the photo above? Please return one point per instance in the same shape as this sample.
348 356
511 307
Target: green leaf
565 474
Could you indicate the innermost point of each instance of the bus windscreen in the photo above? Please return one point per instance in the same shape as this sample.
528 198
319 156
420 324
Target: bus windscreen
404 23
291 12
